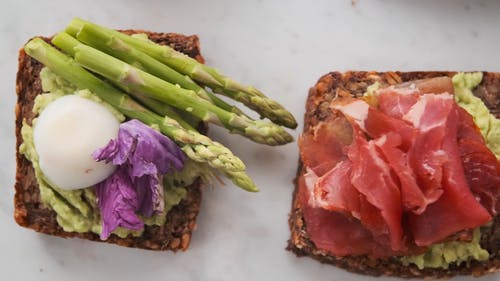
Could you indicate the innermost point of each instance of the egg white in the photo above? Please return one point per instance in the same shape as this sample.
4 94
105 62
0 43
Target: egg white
66 134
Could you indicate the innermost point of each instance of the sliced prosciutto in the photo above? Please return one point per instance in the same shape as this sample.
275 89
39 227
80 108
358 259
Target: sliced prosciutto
336 232
369 170
448 215
427 156
402 172
396 104
334 191
481 165
436 85
379 124
341 190
412 197
401 135
322 148
395 101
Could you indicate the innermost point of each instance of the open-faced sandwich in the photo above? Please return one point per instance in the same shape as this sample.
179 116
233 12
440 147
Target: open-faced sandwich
109 135
399 174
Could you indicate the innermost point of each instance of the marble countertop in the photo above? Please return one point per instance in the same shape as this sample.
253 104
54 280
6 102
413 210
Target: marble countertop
281 47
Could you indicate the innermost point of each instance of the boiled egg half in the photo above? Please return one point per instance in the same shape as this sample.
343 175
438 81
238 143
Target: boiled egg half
66 134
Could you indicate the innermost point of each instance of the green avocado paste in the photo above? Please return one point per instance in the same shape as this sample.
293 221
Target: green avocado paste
77 210
464 83
441 255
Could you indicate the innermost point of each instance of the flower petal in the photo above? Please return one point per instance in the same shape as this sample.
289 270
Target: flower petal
144 156
117 201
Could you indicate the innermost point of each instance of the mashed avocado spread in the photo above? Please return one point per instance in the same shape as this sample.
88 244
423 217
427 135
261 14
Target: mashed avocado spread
464 83
77 210
443 254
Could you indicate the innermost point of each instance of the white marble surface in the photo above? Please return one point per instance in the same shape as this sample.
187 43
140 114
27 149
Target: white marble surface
280 47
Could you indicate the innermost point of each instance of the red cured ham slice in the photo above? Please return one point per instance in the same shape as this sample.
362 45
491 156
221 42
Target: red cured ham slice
395 137
346 189
436 85
398 136
482 169
322 148
371 176
412 197
427 157
467 129
397 100
448 215
378 124
335 192
395 104
337 233
482 173
356 110
430 111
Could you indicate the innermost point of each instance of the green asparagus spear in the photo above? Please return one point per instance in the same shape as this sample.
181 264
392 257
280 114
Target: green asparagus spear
136 80
203 74
105 41
196 146
66 43
163 110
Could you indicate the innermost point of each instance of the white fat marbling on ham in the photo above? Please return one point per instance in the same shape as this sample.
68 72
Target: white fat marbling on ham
421 116
357 110
310 179
410 90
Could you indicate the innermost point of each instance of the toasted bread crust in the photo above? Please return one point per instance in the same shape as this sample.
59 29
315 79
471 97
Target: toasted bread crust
29 212
317 109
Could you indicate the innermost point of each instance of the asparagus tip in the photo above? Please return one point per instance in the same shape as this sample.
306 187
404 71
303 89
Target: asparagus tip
266 132
242 180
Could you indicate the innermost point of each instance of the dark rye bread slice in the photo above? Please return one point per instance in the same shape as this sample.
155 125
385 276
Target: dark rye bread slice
29 212
317 110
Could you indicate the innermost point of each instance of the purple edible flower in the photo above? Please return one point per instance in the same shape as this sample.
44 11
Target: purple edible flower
144 156
117 200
